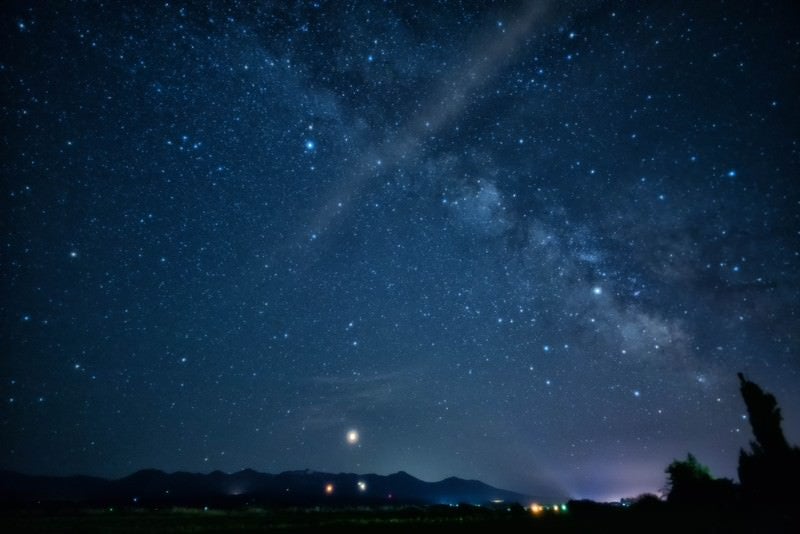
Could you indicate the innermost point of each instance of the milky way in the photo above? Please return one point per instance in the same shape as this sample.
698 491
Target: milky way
529 243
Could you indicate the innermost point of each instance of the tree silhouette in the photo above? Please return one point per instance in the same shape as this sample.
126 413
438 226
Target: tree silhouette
770 473
686 478
765 418
691 483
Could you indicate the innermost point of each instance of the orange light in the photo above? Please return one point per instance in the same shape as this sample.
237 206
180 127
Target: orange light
537 509
328 489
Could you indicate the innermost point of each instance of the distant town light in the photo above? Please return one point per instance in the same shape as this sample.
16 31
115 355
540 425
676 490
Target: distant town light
362 486
328 489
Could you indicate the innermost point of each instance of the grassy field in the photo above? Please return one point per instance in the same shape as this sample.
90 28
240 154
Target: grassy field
395 519
186 520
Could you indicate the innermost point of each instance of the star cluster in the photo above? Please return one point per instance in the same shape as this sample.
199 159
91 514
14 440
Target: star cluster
525 242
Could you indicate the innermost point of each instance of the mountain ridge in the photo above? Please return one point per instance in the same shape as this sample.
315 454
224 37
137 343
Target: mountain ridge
154 487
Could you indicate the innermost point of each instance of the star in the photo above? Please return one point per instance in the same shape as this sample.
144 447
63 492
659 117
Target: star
342 217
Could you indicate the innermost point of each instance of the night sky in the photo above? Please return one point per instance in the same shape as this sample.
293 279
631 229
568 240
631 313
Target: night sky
526 242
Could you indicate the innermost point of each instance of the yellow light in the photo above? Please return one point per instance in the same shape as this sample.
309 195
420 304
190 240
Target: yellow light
328 489
352 437
556 508
537 509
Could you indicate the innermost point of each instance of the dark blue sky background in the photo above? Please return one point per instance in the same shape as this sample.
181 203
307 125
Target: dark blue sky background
525 242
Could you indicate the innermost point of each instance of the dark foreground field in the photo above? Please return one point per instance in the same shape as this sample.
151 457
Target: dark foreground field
401 519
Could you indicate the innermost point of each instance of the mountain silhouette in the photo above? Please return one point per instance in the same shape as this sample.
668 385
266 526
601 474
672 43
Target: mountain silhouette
151 487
